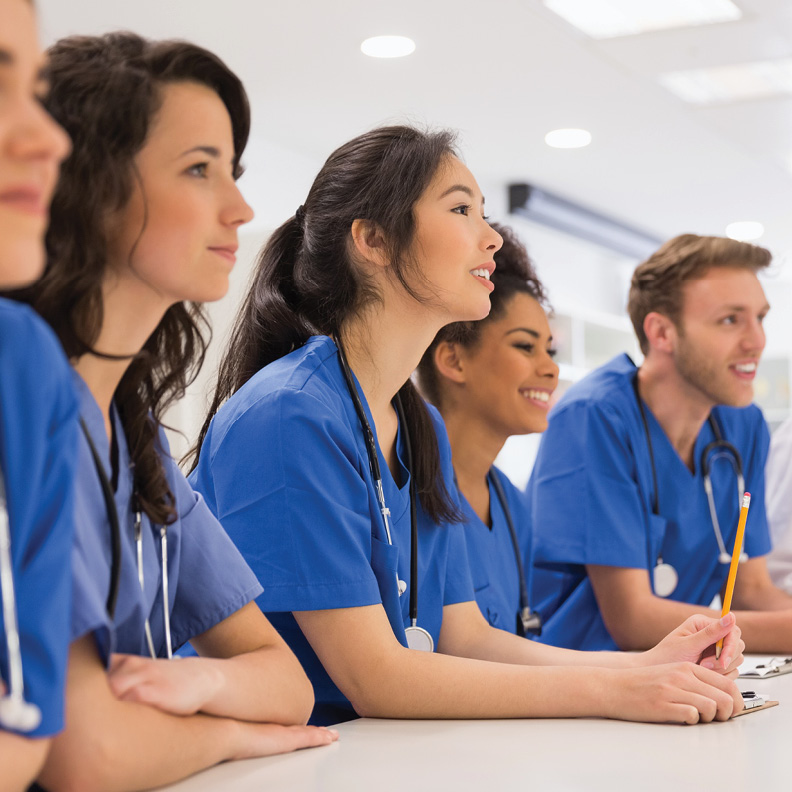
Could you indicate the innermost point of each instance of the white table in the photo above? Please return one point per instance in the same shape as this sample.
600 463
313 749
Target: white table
749 752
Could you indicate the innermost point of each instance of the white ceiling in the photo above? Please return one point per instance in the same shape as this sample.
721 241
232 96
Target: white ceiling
505 72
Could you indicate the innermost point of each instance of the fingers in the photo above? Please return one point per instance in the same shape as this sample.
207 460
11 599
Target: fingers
269 739
721 688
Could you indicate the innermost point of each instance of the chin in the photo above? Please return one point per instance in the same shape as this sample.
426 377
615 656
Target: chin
20 264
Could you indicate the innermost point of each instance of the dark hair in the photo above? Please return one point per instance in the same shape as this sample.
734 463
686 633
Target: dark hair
104 91
306 283
657 283
514 273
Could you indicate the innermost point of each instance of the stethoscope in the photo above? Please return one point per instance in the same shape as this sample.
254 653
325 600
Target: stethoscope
417 637
15 712
665 577
115 538
528 622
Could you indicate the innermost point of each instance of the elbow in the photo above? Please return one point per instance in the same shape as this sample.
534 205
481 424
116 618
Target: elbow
303 703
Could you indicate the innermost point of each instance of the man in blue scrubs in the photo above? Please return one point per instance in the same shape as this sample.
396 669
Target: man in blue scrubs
618 489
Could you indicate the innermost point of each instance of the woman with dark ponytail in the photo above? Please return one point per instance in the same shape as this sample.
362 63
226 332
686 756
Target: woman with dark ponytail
335 481
143 229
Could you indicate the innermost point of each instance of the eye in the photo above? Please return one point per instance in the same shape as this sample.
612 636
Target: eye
552 352
526 347
199 170
731 319
486 218
463 209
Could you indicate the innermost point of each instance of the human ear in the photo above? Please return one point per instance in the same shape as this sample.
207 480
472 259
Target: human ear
449 361
369 242
661 332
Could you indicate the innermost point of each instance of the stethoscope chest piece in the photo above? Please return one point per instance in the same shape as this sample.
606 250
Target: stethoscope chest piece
18 714
665 579
419 639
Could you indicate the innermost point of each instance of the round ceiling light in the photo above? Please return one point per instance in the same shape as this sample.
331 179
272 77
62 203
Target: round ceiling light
744 230
388 46
568 138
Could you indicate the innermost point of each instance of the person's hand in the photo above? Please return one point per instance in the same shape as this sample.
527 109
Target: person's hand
266 739
672 693
694 642
180 686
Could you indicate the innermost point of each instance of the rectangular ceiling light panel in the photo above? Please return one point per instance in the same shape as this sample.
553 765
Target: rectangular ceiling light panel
731 83
602 19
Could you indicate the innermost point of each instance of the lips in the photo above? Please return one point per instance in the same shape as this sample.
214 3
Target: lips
484 273
745 370
228 252
27 199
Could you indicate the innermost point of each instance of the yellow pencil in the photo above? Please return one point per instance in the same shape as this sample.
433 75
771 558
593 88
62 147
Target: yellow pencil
735 560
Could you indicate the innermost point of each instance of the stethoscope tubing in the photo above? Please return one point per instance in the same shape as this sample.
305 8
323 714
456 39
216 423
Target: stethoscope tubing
115 541
718 448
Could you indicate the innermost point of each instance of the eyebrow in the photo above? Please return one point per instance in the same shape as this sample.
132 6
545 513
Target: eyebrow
210 151
459 188
742 308
530 332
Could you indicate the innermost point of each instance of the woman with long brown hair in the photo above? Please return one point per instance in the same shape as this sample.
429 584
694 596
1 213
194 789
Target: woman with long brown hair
334 479
144 228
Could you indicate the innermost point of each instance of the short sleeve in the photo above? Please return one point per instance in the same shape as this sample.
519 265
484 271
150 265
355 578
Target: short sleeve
586 503
286 482
214 581
757 539
38 437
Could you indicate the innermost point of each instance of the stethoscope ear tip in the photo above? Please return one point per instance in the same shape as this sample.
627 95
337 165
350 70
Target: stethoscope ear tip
18 714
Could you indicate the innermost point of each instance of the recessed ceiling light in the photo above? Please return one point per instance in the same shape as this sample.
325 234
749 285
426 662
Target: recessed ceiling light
731 83
388 46
568 138
609 18
744 230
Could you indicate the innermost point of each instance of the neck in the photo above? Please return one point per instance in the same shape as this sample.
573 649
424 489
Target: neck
384 344
474 446
679 408
126 326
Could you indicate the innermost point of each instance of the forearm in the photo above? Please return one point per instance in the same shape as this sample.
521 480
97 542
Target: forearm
499 646
21 759
766 632
133 746
422 685
266 685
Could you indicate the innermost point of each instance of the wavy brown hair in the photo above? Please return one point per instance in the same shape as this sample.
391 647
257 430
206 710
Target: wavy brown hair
104 91
306 283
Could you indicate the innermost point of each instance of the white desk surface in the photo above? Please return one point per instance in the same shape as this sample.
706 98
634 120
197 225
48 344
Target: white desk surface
559 755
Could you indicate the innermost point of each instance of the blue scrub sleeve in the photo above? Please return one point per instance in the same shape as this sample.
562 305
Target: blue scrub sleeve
587 507
757 529
38 437
290 491
214 581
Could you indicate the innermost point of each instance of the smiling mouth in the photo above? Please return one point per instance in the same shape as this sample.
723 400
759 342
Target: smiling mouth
540 397
481 273
745 370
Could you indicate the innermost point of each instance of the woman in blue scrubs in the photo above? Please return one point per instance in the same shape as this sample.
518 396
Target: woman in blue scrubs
38 423
144 227
391 245
490 380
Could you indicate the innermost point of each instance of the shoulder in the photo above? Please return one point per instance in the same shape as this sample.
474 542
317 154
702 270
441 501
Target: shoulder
29 346
606 390
296 394
745 427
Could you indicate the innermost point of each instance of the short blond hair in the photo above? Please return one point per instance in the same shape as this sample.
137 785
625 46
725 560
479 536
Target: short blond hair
657 283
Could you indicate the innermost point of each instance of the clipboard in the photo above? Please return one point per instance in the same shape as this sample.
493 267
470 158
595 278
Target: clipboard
766 668
764 706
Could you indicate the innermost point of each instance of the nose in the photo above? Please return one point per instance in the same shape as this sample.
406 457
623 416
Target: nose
37 135
236 211
755 339
492 241
547 367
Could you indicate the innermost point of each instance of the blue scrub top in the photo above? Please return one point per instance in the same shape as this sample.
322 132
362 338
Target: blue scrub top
284 467
208 580
493 565
38 437
592 496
